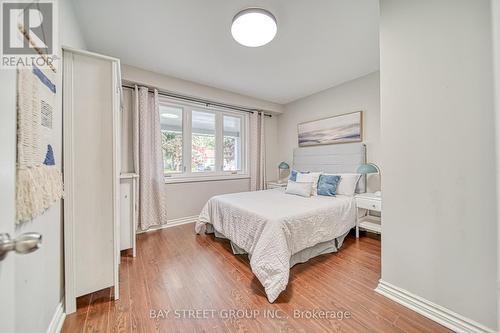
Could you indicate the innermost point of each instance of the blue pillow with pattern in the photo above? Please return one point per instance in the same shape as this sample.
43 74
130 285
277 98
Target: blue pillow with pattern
327 185
293 175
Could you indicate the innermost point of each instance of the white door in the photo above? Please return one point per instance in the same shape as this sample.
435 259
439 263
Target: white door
10 241
7 193
13 241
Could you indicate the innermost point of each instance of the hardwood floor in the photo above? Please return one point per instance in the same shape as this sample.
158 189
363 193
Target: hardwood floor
177 270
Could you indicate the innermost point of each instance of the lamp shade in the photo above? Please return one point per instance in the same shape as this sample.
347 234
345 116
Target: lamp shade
283 166
368 168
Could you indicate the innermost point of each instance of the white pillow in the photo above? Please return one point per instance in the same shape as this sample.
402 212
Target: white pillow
302 189
304 177
348 183
311 177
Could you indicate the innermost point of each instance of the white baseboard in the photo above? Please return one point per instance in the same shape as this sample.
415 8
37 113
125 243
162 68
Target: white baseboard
57 321
431 310
172 223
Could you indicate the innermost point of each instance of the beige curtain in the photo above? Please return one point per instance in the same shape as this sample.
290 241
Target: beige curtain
148 159
257 152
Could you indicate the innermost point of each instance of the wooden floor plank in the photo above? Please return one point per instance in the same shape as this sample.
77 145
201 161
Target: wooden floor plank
119 315
98 312
176 270
77 321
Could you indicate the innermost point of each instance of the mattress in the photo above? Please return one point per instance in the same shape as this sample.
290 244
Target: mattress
272 226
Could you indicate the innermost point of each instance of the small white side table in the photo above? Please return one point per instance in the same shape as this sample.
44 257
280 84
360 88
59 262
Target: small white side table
368 202
274 184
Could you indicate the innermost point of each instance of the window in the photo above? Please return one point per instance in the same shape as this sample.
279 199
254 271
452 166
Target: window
171 138
232 143
201 142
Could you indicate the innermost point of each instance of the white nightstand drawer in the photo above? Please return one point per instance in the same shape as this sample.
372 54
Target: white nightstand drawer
375 205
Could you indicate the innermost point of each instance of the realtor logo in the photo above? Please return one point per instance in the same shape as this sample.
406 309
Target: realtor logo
28 32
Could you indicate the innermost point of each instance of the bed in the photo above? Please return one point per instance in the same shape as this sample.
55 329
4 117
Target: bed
279 230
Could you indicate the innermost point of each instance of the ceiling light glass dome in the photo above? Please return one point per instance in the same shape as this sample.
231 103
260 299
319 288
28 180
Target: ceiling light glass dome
254 27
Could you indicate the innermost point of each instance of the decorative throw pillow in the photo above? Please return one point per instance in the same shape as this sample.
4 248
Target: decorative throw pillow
327 185
347 183
310 177
294 173
302 189
316 176
304 178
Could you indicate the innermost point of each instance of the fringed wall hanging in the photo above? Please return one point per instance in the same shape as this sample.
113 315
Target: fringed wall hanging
39 181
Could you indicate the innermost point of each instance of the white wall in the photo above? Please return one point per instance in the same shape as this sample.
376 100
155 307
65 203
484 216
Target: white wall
69 33
187 199
437 124
361 94
189 88
496 42
42 287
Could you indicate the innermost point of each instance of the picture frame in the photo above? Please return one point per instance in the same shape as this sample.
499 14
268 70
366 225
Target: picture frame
343 128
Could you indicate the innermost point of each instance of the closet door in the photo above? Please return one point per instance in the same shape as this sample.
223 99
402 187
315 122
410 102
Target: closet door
91 179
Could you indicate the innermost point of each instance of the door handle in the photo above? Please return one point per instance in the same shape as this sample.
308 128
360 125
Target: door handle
22 244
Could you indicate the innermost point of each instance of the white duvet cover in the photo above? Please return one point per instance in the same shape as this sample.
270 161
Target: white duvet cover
272 226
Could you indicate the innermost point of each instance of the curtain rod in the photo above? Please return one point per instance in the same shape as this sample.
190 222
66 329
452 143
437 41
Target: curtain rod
131 85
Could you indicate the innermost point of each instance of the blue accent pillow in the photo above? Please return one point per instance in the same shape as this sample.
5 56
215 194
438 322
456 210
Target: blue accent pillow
293 175
327 185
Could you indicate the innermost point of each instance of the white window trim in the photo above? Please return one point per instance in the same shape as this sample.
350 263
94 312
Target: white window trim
186 179
187 175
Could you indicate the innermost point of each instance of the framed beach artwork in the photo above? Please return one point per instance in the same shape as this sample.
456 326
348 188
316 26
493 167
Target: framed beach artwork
343 128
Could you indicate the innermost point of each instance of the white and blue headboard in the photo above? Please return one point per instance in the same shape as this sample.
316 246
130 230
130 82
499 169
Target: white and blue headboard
340 158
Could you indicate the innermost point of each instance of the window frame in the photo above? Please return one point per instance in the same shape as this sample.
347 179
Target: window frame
187 175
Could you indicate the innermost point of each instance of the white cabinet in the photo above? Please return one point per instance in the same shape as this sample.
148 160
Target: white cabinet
91 106
128 211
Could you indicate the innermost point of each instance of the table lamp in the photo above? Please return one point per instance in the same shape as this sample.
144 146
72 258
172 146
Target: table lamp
368 168
282 166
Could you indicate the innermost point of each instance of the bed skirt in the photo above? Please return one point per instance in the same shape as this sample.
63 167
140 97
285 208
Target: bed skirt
300 257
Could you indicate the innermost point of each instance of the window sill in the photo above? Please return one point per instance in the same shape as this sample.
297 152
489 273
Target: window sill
176 180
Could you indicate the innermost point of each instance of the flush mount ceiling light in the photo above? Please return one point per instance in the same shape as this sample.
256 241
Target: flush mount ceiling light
254 27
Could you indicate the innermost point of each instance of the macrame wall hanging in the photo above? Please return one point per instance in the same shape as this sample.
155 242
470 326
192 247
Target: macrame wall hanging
39 181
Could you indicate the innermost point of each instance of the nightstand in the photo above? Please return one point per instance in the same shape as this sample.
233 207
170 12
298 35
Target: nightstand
366 203
270 185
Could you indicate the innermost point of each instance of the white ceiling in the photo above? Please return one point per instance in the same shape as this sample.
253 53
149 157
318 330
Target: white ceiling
320 43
